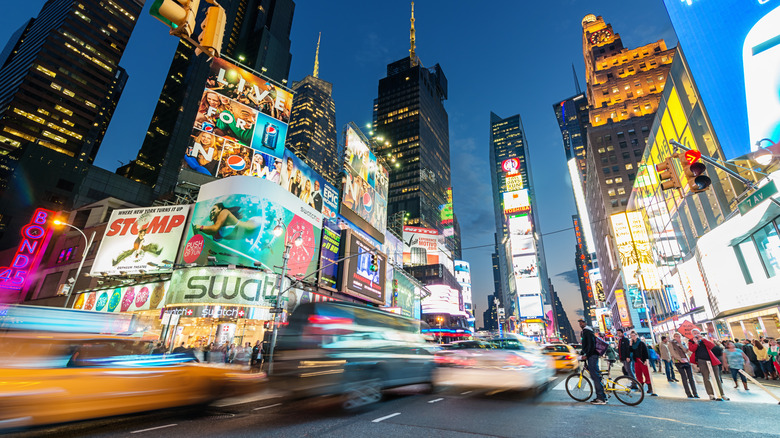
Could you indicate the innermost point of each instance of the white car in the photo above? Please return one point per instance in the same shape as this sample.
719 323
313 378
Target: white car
512 363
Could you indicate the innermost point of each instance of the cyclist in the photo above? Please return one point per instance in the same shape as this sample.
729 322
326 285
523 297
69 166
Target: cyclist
591 358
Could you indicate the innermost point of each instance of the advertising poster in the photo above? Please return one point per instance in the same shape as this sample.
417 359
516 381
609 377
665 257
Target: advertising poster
136 236
620 299
365 189
522 245
357 277
443 299
147 296
204 152
34 239
463 277
421 246
236 160
329 253
517 202
218 285
530 306
520 225
226 118
525 266
234 219
394 249
746 113
406 295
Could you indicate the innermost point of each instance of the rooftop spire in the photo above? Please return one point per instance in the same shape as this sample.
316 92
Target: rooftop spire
412 55
317 58
576 81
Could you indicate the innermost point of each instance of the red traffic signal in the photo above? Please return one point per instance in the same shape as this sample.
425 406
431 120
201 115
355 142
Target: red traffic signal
692 156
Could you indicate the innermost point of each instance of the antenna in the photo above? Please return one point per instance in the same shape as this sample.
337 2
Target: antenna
576 81
412 55
317 58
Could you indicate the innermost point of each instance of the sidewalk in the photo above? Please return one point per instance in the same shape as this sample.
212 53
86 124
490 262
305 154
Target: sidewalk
676 390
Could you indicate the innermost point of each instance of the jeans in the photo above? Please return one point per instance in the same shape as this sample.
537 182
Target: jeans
669 370
595 376
736 372
686 374
628 366
757 369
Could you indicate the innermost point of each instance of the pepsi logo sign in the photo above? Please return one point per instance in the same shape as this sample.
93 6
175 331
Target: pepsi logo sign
236 162
511 165
368 202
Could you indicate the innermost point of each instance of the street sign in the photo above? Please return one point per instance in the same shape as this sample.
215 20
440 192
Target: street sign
275 310
757 197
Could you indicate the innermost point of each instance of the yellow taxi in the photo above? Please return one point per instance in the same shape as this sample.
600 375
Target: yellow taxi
565 356
52 378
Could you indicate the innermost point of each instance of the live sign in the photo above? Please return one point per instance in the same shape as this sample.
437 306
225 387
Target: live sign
757 197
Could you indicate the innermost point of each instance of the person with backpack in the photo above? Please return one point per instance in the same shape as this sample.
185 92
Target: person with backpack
641 357
591 357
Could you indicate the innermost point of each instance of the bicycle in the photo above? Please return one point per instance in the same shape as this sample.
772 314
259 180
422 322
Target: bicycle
625 388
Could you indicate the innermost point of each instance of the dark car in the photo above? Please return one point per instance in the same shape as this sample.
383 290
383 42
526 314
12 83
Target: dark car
351 351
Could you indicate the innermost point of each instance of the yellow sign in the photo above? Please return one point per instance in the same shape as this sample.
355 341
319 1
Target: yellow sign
514 182
620 297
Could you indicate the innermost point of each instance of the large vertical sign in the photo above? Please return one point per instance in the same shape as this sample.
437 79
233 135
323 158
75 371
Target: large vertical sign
233 223
463 277
364 198
746 113
35 237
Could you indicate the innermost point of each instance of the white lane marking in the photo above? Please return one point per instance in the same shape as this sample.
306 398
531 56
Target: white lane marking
385 417
266 407
435 400
154 428
466 392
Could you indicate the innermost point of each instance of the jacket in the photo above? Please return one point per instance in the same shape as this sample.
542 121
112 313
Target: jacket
640 351
693 346
748 349
678 352
761 354
588 342
666 352
624 348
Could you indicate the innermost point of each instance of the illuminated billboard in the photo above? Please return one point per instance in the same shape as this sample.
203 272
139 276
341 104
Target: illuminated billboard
357 277
747 111
124 298
35 238
517 202
463 277
233 223
443 299
135 237
582 209
634 251
511 165
364 198
530 306
421 246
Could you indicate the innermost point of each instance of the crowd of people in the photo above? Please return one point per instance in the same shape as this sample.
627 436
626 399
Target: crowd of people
247 355
698 354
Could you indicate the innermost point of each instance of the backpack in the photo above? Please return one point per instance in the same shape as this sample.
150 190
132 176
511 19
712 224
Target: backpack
601 346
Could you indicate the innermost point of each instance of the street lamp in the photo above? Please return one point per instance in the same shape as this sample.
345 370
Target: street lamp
640 284
84 257
280 229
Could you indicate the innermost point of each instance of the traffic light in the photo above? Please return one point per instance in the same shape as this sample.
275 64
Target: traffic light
179 15
697 180
667 175
213 27
374 264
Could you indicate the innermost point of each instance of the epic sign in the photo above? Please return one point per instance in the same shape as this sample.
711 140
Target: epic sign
34 238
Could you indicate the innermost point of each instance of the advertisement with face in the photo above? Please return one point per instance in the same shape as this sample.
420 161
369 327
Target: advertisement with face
358 277
226 118
124 299
364 201
236 160
747 111
204 152
234 221
136 236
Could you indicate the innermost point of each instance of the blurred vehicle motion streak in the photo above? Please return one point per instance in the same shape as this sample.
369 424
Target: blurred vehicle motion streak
565 356
53 377
349 351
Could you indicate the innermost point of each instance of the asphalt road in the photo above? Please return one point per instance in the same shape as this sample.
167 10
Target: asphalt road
448 412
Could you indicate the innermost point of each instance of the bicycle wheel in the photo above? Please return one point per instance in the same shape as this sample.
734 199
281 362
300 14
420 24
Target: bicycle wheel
579 387
628 391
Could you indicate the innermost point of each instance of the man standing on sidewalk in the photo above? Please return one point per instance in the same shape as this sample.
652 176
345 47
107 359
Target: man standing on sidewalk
666 356
624 351
591 357
683 366
701 352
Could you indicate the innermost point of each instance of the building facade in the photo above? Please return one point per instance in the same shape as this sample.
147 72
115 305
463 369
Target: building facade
257 36
623 88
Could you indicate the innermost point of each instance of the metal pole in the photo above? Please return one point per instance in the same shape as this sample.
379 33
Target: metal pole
81 263
277 308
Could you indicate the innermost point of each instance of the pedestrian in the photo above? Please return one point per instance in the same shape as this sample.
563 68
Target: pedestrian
180 349
641 357
257 355
701 352
666 357
591 358
734 361
774 357
678 353
750 352
762 355
654 357
717 350
159 349
624 352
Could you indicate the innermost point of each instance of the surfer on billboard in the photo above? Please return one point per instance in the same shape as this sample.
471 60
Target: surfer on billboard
227 224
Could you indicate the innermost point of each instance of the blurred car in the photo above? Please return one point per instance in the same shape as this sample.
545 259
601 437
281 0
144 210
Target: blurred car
54 378
511 362
460 345
565 356
350 351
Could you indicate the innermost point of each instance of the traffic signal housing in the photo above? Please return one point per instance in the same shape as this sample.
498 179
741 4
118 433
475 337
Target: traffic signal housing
179 15
695 173
213 31
374 264
667 175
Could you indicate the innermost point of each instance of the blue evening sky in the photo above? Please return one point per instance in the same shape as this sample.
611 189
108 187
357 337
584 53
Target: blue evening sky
508 57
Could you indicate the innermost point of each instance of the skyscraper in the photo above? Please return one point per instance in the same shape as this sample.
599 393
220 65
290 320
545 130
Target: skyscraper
312 131
572 115
257 35
624 88
60 82
519 246
410 118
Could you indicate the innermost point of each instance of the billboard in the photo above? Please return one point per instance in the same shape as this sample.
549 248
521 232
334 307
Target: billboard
147 296
406 295
520 225
517 202
530 306
357 278
747 111
35 239
422 246
364 197
219 285
463 277
234 220
634 249
329 254
134 237
443 299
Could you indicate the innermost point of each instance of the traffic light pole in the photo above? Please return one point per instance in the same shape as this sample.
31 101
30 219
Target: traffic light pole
731 173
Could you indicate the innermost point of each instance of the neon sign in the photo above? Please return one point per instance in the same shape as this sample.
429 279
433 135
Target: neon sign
35 236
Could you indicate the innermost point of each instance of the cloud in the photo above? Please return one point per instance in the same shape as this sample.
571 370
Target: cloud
472 191
569 276
579 312
372 50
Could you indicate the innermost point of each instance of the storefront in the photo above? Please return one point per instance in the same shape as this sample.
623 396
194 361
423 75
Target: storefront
752 325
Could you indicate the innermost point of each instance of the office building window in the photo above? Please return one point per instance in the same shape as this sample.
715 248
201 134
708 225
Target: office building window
768 245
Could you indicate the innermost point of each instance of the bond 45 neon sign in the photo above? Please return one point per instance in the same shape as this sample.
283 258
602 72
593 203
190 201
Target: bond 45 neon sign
35 236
